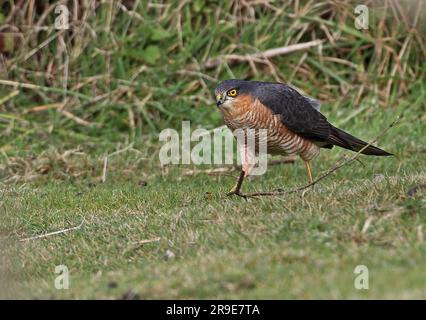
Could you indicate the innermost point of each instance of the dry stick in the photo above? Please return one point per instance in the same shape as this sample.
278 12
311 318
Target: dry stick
326 174
53 233
232 58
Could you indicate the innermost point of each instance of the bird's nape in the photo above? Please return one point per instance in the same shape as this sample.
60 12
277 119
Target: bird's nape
345 140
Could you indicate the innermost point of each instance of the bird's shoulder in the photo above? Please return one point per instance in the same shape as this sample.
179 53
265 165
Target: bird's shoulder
298 113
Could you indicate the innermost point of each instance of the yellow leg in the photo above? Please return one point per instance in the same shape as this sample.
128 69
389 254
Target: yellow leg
308 171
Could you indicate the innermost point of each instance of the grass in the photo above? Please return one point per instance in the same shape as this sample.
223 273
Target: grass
137 67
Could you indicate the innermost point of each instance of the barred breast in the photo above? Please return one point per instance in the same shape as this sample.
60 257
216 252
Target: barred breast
246 114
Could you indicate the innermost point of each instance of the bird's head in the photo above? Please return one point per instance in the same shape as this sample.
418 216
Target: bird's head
228 91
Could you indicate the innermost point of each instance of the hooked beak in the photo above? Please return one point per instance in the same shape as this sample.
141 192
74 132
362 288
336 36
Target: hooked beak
220 99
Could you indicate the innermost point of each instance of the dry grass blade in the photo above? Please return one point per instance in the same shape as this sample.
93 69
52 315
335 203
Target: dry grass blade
336 167
142 242
10 96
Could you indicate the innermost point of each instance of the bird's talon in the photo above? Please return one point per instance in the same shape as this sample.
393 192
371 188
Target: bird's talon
237 193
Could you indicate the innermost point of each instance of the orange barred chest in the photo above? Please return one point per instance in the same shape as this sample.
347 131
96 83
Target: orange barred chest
246 114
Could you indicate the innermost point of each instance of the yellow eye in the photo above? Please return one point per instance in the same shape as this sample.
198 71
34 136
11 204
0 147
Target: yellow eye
232 93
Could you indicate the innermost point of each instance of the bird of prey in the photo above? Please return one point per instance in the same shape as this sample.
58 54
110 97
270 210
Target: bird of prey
292 121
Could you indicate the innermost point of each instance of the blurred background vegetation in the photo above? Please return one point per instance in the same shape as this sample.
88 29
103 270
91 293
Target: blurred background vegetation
125 70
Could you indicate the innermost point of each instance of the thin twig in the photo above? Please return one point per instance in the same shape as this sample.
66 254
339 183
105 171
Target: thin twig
41 45
52 233
105 162
337 166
